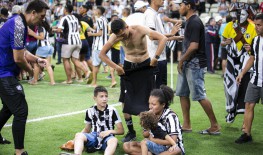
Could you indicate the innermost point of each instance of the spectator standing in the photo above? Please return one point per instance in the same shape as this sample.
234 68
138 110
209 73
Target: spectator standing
13 57
191 68
255 87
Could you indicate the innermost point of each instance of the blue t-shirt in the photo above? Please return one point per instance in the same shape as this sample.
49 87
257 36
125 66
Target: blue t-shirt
12 36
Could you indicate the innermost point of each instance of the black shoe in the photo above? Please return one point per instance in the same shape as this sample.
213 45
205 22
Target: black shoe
4 141
58 63
244 138
24 153
129 137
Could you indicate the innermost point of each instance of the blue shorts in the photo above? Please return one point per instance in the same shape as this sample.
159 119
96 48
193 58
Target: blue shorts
191 80
96 61
92 140
155 148
45 51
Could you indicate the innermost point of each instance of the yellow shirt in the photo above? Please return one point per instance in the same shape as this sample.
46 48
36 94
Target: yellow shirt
249 35
85 26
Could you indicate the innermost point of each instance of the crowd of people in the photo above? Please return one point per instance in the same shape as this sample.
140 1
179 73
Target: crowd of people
133 38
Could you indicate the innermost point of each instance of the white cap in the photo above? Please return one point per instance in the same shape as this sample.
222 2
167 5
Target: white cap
139 4
16 9
177 1
217 18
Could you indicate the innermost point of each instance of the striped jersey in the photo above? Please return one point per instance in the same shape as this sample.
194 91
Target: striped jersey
169 122
70 26
102 120
257 51
45 41
99 41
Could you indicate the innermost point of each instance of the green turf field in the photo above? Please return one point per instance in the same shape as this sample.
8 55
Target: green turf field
44 137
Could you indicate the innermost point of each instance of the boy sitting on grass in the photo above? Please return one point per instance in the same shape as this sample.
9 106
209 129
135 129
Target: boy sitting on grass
149 121
99 132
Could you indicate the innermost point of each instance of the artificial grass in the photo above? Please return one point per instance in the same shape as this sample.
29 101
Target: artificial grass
45 137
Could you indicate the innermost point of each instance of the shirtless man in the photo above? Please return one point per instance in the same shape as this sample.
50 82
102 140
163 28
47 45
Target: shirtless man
135 90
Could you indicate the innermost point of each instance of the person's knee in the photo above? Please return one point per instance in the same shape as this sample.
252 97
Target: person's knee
250 106
80 136
112 142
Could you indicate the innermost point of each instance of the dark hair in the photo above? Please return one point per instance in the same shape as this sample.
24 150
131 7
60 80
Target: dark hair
229 19
69 8
150 1
102 9
99 89
128 10
46 26
210 19
148 120
165 95
259 16
78 16
117 25
37 5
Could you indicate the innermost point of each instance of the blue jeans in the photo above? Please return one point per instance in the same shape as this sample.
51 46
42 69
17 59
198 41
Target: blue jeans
191 80
58 49
92 139
32 47
155 148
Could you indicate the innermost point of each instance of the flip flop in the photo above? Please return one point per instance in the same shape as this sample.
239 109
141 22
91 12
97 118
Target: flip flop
113 85
187 130
207 132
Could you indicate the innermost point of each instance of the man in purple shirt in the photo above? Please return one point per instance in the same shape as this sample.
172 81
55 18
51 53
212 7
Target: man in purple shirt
14 56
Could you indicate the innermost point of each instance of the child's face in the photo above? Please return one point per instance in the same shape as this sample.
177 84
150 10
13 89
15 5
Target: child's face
101 99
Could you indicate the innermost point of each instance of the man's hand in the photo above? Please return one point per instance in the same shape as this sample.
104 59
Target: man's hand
41 62
227 41
239 78
104 134
153 62
120 70
180 66
176 28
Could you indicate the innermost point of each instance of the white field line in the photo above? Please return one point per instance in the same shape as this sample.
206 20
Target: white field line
58 116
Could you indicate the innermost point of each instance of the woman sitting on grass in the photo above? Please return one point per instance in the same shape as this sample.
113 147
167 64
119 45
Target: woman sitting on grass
149 122
168 121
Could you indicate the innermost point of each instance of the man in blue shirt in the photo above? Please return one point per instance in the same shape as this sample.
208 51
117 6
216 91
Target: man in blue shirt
13 56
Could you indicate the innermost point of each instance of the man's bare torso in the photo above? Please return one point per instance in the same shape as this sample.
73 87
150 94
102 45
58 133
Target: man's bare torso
135 46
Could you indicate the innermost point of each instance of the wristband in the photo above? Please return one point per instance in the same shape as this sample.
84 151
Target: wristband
157 57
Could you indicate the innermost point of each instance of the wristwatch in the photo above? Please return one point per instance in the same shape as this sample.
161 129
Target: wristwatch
157 57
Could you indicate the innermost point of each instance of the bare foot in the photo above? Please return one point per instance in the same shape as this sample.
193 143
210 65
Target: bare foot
67 82
113 84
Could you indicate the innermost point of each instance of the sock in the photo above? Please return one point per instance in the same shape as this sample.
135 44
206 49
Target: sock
130 125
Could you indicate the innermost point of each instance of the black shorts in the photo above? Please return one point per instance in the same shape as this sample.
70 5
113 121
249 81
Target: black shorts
84 48
115 55
179 46
223 53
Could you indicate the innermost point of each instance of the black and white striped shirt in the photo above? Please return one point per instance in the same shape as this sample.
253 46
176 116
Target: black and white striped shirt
99 41
102 120
45 41
257 51
169 122
70 26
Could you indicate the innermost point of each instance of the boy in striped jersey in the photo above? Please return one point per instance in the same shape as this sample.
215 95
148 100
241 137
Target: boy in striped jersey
99 131
254 90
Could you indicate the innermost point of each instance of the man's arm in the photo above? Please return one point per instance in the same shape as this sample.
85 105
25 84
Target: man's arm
118 131
100 33
249 64
22 57
106 59
190 51
87 128
154 35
